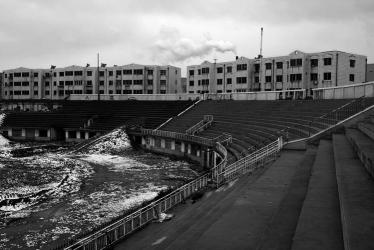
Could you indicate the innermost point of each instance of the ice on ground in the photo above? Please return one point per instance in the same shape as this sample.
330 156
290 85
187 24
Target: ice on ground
114 162
113 142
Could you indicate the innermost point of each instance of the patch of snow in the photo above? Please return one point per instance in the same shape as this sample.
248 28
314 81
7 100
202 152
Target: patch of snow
115 141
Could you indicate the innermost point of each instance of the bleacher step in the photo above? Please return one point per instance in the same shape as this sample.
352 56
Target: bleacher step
356 189
364 147
319 222
282 227
367 128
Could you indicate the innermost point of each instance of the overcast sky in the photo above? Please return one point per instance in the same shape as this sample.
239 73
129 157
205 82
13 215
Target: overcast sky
38 33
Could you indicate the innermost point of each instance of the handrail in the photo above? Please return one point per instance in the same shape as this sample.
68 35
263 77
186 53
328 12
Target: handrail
201 125
250 162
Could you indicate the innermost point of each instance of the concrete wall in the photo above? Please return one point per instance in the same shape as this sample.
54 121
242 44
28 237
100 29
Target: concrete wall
344 92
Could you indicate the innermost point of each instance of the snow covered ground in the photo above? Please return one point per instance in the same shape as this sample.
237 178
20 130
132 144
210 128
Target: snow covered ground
99 184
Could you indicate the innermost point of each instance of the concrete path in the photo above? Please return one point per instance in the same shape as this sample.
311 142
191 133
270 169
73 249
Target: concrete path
233 217
319 225
356 192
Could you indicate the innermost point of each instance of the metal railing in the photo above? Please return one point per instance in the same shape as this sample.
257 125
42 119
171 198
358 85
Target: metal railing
251 161
123 227
201 125
330 119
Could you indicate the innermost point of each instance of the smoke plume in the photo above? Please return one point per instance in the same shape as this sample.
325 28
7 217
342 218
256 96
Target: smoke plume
172 47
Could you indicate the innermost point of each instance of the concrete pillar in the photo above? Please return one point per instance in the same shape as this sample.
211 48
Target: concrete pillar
36 132
172 145
182 147
49 133
214 159
198 153
23 132
189 149
78 134
87 135
9 132
162 143
208 158
66 135
143 141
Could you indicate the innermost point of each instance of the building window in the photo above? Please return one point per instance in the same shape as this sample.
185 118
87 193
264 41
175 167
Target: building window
118 72
327 61
257 68
228 91
219 70
219 81
26 92
16 132
191 72
296 62
101 73
295 77
205 81
110 82
25 84
352 63
138 72
127 91
205 70
279 65
313 63
241 80
89 73
25 74
138 92
36 74
101 83
229 69
47 92
150 82
241 67
150 72
17 74
267 78
62 74
267 65
351 77
163 72
229 80
162 82
199 71
257 79
43 133
192 83
78 73
138 82
127 72
162 91
279 78
327 76
314 77
68 73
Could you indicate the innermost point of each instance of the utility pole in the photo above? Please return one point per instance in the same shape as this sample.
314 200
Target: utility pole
98 77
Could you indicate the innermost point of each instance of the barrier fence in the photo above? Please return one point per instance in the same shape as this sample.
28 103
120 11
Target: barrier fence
251 161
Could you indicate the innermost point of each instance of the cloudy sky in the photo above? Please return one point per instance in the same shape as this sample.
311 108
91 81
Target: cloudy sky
38 33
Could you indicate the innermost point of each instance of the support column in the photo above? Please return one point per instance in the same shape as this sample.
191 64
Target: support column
66 135
189 149
214 159
9 132
162 142
77 134
23 132
49 133
172 145
36 133
87 135
143 141
182 147
208 157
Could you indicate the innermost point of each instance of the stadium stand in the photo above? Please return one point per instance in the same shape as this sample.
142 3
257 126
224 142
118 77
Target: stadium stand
98 115
254 124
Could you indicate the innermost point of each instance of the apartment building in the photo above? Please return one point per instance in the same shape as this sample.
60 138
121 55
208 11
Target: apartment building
59 83
297 70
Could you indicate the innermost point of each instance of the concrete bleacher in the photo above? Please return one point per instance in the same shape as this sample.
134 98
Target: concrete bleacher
254 124
97 116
